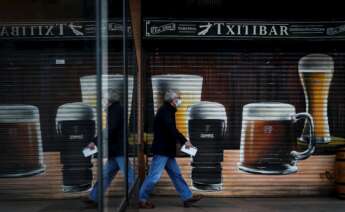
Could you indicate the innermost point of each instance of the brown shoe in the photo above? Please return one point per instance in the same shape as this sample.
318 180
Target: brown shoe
146 205
189 202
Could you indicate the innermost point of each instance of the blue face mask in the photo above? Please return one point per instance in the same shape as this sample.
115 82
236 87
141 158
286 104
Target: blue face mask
178 103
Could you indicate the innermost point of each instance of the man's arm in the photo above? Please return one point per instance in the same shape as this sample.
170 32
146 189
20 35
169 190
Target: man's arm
171 126
115 120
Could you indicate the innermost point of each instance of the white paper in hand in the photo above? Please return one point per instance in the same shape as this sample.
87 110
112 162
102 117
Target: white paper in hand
190 151
87 151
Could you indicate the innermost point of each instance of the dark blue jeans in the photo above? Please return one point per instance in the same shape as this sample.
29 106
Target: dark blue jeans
158 164
110 170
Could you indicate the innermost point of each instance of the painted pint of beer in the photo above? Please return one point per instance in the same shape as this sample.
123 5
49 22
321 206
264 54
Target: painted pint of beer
267 138
316 72
189 88
207 123
75 127
21 141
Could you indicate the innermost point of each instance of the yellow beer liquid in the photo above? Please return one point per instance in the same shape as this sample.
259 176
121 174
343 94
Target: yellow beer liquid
181 114
316 87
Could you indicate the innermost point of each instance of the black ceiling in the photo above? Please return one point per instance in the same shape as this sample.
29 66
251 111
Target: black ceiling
242 9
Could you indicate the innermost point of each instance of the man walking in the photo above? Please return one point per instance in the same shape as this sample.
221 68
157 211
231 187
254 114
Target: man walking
164 152
116 158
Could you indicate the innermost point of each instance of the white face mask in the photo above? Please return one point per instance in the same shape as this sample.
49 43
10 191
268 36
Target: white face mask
104 104
178 103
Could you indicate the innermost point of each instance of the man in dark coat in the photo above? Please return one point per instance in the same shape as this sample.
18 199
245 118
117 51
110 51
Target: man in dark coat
116 158
165 139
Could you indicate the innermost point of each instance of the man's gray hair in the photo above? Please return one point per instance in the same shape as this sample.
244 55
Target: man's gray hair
113 95
170 95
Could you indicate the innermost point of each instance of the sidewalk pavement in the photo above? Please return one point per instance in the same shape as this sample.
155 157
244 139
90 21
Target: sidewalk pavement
295 204
173 204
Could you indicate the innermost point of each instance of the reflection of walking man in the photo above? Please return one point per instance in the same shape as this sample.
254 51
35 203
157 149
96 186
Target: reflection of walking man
116 161
164 152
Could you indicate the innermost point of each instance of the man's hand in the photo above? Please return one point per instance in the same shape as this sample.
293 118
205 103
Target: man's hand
188 144
91 145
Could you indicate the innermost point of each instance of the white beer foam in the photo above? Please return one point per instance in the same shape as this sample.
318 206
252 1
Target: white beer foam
186 85
178 82
207 110
115 81
268 111
316 63
19 113
74 111
88 86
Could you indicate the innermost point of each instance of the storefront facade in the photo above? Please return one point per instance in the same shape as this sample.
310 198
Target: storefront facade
241 74
57 69
262 97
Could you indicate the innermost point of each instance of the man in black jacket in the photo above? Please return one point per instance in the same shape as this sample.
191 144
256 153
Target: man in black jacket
116 159
166 136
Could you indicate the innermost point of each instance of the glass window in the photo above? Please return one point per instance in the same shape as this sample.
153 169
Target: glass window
65 87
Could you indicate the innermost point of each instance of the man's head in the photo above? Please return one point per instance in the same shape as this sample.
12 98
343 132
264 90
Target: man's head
113 96
173 98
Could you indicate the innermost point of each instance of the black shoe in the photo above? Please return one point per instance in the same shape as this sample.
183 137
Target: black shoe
89 202
189 202
146 205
